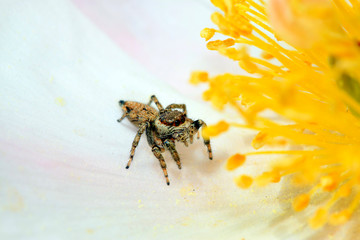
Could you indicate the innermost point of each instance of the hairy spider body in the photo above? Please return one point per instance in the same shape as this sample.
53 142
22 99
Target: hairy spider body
163 128
138 113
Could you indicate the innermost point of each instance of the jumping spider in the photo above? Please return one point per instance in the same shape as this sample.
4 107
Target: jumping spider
163 128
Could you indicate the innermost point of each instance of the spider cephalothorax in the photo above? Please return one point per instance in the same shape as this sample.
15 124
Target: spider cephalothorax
162 127
173 124
172 118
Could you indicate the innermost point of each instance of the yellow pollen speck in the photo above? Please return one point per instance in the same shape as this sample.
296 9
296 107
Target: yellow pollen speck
198 77
15 201
60 101
140 205
187 191
233 205
186 221
79 132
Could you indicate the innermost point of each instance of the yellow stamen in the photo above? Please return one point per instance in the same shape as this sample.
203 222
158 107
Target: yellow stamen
340 217
268 177
207 33
266 55
218 44
244 181
301 202
319 219
312 96
235 161
329 183
214 130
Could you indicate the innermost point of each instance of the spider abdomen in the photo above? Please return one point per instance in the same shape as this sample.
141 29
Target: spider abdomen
138 113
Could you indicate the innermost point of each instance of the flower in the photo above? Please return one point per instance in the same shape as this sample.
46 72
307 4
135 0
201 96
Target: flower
302 62
63 155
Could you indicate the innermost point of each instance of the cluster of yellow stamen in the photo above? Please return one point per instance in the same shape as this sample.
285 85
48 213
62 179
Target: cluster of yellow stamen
316 91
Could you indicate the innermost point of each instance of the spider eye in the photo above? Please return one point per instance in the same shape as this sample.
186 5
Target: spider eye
177 123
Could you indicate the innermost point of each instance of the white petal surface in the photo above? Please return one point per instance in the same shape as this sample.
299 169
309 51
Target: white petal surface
63 154
156 31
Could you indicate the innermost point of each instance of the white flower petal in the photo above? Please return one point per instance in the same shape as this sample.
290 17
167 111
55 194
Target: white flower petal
63 154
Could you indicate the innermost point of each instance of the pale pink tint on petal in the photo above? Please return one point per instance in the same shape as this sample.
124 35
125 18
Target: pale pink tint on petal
109 17
292 24
164 36
285 23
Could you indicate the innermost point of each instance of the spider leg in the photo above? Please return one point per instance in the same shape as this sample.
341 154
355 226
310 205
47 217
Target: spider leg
198 124
170 145
135 143
157 152
121 103
179 106
122 117
207 143
191 137
154 99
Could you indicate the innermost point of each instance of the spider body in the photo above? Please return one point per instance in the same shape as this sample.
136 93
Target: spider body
163 128
138 113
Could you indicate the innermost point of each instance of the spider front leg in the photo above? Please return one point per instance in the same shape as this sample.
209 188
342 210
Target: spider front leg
121 103
154 99
122 117
198 124
170 145
135 143
179 106
157 152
